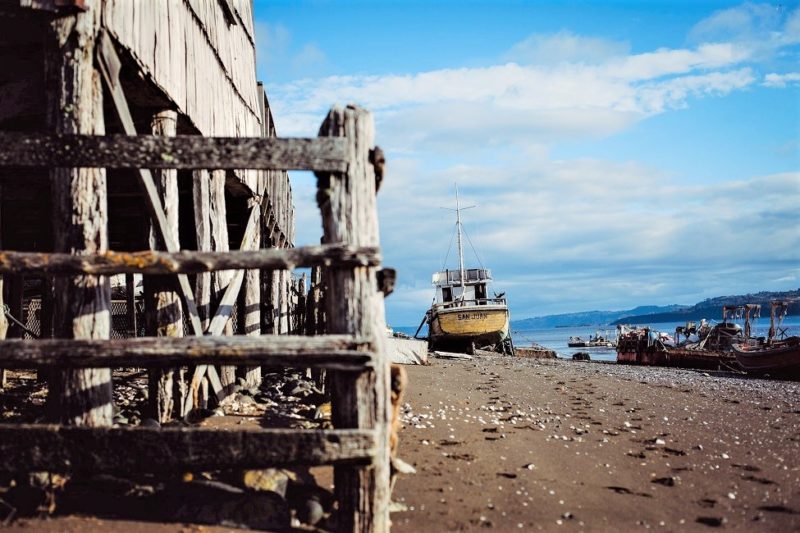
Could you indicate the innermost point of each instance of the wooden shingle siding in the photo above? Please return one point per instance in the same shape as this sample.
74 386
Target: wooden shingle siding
203 64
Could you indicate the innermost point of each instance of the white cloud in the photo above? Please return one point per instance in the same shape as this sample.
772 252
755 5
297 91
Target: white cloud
565 47
519 103
781 80
593 229
759 28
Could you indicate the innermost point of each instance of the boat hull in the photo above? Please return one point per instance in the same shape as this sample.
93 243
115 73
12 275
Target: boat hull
677 357
781 359
461 326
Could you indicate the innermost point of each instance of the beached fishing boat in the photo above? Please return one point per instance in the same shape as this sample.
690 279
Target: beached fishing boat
463 315
777 354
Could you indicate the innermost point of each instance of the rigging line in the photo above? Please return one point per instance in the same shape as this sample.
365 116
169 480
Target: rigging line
446 257
473 248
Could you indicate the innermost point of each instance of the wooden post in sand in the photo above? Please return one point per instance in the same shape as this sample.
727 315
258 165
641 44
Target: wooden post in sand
164 316
354 306
80 214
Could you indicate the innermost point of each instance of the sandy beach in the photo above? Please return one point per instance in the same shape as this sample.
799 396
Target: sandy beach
526 444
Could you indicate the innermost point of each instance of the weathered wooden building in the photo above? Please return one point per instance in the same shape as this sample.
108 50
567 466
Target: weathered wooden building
92 94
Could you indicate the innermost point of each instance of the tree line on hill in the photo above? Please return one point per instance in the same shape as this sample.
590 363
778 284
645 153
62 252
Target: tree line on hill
710 308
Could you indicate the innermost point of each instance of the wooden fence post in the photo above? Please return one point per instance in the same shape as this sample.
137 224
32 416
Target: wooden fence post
354 306
80 215
164 316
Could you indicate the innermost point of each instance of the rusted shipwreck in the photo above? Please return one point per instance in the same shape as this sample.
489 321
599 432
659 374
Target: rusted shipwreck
136 141
704 346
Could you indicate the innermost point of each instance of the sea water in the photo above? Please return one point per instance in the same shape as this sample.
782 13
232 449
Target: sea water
557 338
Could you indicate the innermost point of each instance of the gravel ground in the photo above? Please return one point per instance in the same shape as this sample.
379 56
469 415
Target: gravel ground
528 444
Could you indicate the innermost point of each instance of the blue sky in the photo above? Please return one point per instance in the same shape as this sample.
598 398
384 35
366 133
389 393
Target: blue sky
619 153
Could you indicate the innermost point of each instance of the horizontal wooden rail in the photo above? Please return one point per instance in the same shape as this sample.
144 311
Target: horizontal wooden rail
181 152
187 262
32 447
336 352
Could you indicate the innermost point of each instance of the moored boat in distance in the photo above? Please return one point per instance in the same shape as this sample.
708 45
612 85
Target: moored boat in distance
596 341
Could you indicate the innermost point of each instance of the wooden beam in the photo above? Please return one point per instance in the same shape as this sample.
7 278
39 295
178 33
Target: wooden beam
220 242
250 307
188 262
109 67
298 351
180 152
163 314
225 306
33 447
81 310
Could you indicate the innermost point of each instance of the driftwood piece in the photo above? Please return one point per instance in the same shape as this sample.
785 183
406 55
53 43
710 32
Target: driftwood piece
188 262
92 450
331 351
180 152
82 303
354 306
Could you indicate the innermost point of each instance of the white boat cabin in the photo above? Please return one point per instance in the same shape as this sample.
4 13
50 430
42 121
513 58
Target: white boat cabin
449 289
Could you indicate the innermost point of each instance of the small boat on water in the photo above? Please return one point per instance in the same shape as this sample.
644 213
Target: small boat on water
777 354
463 316
596 341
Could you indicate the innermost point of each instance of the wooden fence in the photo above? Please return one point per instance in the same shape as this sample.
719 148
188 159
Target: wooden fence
348 170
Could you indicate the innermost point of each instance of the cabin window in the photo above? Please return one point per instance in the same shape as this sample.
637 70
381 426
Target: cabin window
447 294
480 292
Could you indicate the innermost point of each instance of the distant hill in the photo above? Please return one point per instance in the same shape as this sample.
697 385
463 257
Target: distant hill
650 314
712 308
590 318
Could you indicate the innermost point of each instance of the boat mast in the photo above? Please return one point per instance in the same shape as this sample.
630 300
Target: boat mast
460 248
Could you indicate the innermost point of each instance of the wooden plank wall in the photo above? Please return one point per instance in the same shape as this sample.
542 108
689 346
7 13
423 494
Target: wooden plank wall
205 65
